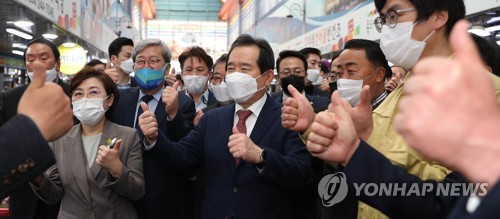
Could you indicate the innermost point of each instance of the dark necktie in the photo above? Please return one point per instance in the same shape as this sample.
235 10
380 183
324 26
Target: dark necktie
145 99
241 126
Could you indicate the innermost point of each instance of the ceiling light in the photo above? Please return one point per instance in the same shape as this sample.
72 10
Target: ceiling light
19 33
18 52
50 36
493 28
23 23
19 45
493 19
68 44
498 42
480 31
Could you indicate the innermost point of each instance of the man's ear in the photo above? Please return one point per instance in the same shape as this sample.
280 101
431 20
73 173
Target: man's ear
167 70
269 76
58 65
380 74
440 19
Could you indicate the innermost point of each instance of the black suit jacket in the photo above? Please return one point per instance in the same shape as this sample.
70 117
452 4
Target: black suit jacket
487 209
241 191
23 201
166 189
318 103
367 165
24 154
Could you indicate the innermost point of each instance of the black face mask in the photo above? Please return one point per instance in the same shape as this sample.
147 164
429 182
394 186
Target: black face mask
295 81
333 86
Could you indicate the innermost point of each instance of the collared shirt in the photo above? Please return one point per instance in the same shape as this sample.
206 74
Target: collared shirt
378 100
125 86
252 119
152 104
203 101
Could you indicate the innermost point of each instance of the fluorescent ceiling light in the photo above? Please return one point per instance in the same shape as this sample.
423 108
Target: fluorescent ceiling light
493 19
23 23
18 52
498 42
68 44
50 36
493 28
19 45
480 31
104 60
19 33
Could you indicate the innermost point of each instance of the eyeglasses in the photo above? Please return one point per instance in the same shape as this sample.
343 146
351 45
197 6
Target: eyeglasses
151 63
287 72
390 18
92 93
216 80
332 76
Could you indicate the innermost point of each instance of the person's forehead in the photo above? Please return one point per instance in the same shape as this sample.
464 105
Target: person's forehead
313 57
291 61
195 61
247 55
127 49
352 55
153 50
38 48
91 83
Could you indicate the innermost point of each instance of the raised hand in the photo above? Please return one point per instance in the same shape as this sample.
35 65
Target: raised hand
170 98
111 72
297 114
242 147
362 114
148 124
333 137
47 105
110 159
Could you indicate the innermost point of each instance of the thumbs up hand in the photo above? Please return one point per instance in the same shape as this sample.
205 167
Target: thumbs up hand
242 147
56 118
110 159
297 114
170 98
111 72
148 124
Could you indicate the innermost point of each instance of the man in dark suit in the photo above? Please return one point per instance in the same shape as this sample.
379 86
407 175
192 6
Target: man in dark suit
120 65
291 66
165 188
23 202
252 165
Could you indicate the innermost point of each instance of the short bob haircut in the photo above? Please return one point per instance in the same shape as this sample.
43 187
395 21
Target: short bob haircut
109 85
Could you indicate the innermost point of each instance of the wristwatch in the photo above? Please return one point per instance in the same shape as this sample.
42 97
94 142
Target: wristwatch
262 162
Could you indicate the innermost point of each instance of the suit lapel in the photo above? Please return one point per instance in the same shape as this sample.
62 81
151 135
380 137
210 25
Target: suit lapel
226 126
77 162
268 115
129 106
109 131
161 114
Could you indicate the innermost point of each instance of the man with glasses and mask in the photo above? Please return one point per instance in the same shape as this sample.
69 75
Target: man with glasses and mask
252 165
362 63
291 66
165 188
23 202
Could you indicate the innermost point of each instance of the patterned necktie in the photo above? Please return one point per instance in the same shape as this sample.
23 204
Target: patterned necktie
241 126
145 99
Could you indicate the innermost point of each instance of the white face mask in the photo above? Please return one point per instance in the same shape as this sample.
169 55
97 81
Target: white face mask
127 66
398 46
195 84
89 110
241 86
50 75
220 92
350 89
312 75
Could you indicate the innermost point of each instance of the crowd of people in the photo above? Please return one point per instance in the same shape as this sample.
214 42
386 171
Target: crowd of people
212 142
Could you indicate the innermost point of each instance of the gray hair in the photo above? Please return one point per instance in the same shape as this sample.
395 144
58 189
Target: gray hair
166 53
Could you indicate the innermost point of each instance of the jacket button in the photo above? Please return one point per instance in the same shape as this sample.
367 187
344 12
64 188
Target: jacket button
235 189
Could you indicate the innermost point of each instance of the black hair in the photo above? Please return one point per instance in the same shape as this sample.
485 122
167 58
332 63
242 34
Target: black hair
47 42
309 50
291 53
373 52
425 8
116 46
489 53
198 52
95 62
265 61
221 59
